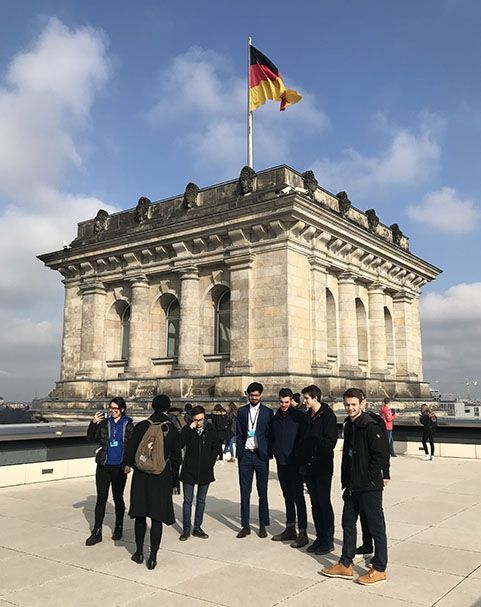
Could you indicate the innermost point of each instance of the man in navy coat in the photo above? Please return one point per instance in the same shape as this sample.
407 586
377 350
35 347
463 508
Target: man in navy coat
254 450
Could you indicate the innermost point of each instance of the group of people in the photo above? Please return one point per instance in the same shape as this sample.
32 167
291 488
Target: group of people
302 441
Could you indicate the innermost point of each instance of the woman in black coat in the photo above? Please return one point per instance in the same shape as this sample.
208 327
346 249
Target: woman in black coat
221 422
112 432
201 449
151 494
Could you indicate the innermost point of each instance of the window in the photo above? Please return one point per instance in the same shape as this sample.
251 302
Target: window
222 324
124 333
173 325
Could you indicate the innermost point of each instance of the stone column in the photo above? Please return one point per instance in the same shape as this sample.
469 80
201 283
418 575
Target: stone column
189 361
319 364
403 335
72 319
348 346
92 354
241 282
139 333
377 331
416 336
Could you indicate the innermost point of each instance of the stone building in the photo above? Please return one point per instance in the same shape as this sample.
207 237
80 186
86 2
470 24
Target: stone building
266 277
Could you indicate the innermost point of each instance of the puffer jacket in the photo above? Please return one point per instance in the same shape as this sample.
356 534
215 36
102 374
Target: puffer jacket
100 433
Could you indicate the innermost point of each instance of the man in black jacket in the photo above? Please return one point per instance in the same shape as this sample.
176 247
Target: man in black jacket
364 474
201 447
316 465
286 429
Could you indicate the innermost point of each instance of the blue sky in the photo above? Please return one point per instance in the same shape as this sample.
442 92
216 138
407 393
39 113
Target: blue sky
105 101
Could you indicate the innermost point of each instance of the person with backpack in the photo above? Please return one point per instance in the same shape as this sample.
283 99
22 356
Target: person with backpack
154 454
364 474
221 422
428 419
112 432
201 449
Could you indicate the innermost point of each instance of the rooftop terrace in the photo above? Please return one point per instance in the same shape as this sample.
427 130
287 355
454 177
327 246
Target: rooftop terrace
433 514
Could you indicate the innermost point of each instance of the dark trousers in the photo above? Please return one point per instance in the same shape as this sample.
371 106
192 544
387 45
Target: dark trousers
104 477
428 435
199 506
155 535
293 491
249 464
319 487
369 503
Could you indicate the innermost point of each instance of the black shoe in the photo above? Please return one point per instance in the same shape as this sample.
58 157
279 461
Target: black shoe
94 538
117 534
151 563
137 557
301 540
200 533
185 536
287 535
262 532
324 550
364 549
244 532
314 546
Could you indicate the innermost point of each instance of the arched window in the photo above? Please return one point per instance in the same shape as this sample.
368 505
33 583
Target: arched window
173 326
388 324
362 335
124 333
222 324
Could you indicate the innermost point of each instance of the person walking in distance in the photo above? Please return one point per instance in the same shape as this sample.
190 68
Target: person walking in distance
112 433
253 453
316 465
230 445
201 448
430 423
364 474
151 493
388 416
221 422
286 429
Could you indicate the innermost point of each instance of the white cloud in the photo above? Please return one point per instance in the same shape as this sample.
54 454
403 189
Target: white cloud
445 211
45 102
451 323
200 92
411 156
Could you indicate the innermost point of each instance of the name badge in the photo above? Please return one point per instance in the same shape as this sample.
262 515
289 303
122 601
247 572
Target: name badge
251 433
114 443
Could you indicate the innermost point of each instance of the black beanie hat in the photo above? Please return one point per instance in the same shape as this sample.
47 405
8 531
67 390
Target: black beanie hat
161 403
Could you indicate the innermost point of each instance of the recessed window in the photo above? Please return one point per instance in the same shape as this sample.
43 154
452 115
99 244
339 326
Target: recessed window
125 333
223 324
173 326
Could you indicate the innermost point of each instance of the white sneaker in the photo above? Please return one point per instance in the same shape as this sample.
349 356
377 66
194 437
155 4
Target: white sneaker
427 458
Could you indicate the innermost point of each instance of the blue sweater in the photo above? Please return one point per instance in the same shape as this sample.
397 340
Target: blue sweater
116 440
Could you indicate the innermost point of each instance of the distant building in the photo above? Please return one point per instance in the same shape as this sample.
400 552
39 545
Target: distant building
267 277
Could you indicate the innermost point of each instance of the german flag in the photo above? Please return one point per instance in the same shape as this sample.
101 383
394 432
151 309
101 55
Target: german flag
265 83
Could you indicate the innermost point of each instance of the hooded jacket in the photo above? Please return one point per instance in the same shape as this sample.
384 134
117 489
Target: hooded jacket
365 455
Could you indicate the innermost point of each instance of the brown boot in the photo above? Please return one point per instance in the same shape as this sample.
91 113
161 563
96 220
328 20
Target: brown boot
373 576
287 535
301 540
339 570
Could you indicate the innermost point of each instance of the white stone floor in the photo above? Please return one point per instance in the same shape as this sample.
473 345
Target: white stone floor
433 513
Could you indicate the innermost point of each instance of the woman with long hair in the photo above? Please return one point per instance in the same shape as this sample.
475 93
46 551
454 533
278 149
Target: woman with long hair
112 432
230 442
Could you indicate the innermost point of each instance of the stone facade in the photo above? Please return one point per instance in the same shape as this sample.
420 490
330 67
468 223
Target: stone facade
280 282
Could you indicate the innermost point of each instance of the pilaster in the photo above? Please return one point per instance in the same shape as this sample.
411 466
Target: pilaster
92 354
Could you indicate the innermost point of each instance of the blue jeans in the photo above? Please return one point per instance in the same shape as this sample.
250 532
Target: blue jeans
199 506
229 445
391 443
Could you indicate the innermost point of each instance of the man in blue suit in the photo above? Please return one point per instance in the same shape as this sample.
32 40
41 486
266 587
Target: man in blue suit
253 453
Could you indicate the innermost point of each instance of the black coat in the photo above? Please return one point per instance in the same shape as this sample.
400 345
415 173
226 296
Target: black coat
100 433
200 455
151 494
286 432
317 442
221 423
368 464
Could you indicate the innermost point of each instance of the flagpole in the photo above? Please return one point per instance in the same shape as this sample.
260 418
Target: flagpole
250 158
